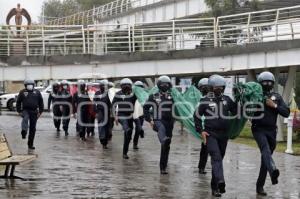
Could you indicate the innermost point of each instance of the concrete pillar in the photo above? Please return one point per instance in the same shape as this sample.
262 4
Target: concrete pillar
276 73
251 76
286 97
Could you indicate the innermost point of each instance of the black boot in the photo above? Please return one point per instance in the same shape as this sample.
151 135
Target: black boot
104 146
66 133
135 147
31 147
202 171
221 187
274 176
260 191
23 133
125 156
142 134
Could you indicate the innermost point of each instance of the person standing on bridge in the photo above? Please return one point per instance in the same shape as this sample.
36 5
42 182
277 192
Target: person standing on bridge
103 112
123 106
66 105
161 118
30 106
54 98
216 109
264 130
138 117
204 89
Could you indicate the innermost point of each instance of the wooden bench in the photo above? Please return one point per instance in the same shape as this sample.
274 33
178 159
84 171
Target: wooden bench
10 161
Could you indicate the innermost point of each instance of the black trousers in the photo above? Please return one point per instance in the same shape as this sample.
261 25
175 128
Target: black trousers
103 129
30 116
266 141
111 126
138 129
66 113
127 125
216 148
203 157
57 114
91 124
83 123
164 131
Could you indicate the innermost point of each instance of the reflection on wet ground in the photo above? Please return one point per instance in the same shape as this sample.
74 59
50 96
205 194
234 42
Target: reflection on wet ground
69 168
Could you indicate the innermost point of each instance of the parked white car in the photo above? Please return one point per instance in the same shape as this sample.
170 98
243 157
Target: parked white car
9 100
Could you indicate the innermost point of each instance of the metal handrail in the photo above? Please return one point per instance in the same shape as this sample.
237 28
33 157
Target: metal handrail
101 12
231 30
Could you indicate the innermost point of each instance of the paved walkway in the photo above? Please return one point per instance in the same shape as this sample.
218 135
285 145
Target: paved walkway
69 168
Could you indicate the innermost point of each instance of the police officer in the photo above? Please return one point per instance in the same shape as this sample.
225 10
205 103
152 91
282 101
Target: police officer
161 118
138 117
103 112
123 103
30 106
81 102
264 130
204 89
214 128
54 98
66 105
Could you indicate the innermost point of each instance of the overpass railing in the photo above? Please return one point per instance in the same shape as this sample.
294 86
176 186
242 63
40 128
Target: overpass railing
232 30
98 13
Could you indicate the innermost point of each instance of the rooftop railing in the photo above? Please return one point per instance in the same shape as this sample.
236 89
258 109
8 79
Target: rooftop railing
194 33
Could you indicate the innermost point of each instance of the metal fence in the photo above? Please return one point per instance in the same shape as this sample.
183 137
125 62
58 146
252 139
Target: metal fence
240 29
107 10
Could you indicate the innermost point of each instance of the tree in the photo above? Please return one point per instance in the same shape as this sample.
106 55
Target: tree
61 8
57 9
226 7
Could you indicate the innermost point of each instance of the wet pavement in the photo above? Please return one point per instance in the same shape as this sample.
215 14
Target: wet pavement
69 168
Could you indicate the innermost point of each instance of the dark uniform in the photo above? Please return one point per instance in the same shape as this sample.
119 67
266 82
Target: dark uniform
125 101
54 98
162 125
217 128
66 106
216 123
81 102
265 130
103 110
30 105
161 115
204 89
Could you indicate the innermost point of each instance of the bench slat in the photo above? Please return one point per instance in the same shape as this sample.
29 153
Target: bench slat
18 159
5 154
3 147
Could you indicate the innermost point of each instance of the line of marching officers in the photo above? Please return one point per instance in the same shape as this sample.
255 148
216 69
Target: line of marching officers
211 119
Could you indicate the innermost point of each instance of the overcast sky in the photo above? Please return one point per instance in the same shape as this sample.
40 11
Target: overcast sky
34 7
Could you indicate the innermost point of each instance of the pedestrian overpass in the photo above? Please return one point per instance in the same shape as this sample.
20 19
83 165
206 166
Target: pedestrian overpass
235 44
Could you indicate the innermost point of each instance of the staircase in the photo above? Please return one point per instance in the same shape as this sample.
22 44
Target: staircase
18 47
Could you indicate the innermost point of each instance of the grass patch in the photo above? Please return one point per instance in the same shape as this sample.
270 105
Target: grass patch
247 139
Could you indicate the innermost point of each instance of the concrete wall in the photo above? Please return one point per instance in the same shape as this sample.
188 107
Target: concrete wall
233 60
160 11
